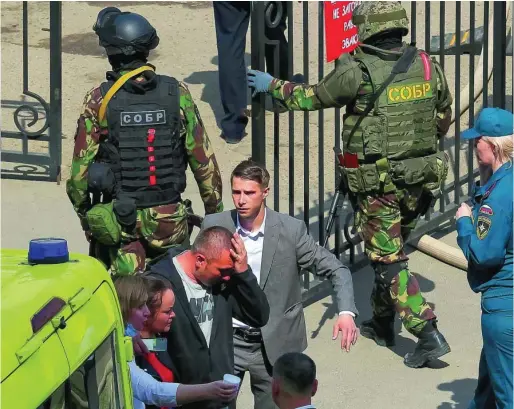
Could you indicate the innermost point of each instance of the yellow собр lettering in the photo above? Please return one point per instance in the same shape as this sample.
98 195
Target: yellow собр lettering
409 93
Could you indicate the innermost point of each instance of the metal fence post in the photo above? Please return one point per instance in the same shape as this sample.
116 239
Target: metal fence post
55 144
499 53
257 59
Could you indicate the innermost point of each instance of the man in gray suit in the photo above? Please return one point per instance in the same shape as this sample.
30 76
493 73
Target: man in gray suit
278 246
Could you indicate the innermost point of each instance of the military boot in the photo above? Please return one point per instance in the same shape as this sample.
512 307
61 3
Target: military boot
431 345
380 330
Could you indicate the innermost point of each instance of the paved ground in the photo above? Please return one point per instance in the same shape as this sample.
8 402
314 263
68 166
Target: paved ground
367 377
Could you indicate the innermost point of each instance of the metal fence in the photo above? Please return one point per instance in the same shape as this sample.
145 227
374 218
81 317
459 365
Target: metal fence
473 43
36 121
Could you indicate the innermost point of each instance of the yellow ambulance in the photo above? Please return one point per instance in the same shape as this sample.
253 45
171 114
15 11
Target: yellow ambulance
62 339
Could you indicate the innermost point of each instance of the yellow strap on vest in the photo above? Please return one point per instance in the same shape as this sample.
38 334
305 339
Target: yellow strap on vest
116 86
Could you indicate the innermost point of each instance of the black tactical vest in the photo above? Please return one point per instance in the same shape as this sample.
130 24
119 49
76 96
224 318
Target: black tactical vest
144 147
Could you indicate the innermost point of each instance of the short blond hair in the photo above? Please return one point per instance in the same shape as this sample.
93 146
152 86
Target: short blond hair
503 146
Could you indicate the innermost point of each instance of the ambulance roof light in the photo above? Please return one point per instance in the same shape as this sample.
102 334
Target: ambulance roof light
48 251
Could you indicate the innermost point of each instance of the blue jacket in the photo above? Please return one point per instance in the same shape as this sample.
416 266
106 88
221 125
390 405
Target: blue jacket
486 237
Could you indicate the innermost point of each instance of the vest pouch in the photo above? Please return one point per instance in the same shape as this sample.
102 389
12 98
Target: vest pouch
370 177
368 140
363 179
439 162
103 224
427 170
354 178
374 133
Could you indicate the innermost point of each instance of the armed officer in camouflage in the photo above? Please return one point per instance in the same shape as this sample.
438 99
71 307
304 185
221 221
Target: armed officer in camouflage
397 107
136 135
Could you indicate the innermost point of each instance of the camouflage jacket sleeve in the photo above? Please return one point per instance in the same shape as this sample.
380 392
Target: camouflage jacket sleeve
200 153
87 138
444 102
336 90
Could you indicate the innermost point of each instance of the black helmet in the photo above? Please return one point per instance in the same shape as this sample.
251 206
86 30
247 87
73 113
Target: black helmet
124 32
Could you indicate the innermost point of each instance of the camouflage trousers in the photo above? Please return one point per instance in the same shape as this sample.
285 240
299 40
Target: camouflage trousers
157 230
385 222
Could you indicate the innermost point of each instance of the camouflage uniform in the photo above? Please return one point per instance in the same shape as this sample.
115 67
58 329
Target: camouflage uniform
158 228
384 220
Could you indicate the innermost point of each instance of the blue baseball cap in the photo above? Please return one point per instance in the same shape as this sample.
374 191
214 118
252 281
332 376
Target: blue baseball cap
491 122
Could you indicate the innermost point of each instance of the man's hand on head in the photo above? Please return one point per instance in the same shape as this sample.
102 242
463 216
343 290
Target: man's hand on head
346 325
238 253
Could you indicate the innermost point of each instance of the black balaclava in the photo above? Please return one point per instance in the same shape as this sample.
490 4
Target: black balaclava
386 40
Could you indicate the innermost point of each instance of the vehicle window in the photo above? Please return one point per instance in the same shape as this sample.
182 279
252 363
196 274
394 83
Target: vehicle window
92 386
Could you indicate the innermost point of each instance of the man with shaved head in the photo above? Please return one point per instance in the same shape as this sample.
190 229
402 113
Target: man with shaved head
294 381
212 283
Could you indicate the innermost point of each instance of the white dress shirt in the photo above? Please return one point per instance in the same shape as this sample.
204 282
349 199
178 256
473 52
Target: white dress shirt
254 242
149 391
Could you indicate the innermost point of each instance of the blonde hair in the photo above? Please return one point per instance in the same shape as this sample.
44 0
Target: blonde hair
132 293
503 147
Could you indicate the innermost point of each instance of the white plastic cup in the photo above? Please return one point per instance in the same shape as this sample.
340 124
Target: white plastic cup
234 380
229 378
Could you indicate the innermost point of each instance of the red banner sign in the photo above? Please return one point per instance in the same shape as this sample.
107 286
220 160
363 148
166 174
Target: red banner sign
340 33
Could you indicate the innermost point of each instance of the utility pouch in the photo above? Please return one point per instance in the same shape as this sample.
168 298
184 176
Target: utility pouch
429 171
440 165
125 210
103 224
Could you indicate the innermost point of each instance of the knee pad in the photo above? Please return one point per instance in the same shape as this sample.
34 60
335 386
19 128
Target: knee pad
386 272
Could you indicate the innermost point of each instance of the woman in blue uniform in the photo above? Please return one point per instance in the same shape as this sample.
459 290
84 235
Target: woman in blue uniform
485 237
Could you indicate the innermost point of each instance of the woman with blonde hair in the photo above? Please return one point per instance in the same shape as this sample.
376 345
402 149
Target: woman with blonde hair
485 236
133 296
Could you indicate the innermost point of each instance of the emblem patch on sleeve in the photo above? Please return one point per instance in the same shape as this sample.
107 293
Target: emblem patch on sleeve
486 210
483 226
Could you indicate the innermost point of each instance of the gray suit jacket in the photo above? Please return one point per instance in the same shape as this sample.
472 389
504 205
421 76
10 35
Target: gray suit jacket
287 249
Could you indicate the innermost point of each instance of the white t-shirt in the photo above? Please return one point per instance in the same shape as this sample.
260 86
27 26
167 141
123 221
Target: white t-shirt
200 301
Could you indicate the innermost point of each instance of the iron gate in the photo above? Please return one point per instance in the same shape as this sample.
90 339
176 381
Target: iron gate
36 121
274 135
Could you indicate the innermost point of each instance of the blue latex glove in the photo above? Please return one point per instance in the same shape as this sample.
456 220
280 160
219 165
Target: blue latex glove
259 81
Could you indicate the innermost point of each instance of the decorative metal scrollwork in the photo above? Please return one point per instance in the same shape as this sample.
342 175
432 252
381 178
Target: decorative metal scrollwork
273 8
35 116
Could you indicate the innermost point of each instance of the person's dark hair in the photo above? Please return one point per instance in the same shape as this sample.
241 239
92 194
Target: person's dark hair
251 170
297 373
156 288
212 241
132 293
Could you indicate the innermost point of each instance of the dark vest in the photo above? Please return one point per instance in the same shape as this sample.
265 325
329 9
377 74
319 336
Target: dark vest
144 147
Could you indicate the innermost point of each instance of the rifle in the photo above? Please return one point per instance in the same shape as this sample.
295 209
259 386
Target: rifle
92 240
342 189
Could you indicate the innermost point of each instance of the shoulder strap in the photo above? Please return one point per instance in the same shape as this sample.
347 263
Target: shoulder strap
401 66
115 88
172 90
